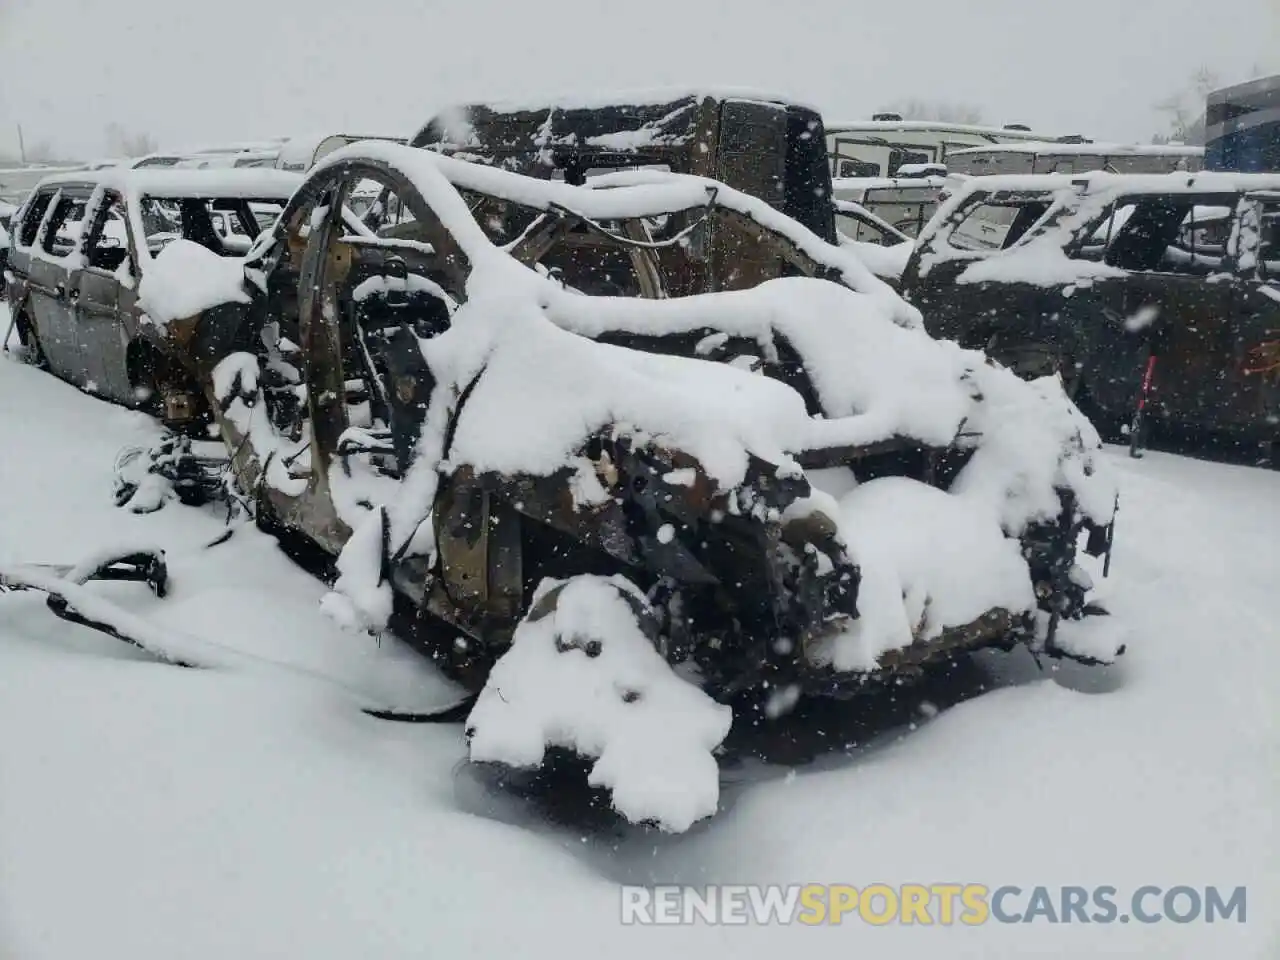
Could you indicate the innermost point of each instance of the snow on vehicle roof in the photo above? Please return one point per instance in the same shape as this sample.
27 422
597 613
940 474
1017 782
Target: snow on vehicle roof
1087 149
249 183
1101 182
646 97
621 195
300 151
927 126
887 183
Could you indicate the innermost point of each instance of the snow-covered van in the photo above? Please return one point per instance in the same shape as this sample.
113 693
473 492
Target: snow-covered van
882 146
1115 280
300 154
1075 158
103 260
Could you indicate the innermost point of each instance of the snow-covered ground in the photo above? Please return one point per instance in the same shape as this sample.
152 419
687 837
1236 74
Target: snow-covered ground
151 812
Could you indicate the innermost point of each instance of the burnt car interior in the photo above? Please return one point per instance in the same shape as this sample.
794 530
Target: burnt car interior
1159 235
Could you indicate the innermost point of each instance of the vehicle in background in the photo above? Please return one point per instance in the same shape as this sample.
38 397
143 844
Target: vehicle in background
1242 127
227 161
1058 157
156 160
19 180
300 154
881 146
763 146
83 247
905 202
1105 277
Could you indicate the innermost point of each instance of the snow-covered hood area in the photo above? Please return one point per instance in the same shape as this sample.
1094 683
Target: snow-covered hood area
537 392
185 278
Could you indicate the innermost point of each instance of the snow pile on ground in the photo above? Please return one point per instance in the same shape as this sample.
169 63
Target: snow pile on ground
185 278
929 562
581 674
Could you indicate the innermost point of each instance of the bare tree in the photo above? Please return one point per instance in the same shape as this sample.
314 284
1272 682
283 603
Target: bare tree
1183 111
939 110
40 152
125 143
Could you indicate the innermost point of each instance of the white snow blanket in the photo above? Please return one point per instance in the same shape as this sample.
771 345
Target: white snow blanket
929 561
185 278
585 677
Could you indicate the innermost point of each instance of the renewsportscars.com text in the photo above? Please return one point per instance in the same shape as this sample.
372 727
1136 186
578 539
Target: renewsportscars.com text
945 904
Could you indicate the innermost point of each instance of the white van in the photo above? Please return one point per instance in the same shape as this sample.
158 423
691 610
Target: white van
300 154
881 146
1075 158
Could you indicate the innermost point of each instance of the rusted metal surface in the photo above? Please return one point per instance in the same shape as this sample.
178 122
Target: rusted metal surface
766 148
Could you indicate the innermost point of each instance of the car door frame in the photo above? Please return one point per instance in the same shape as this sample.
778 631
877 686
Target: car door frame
1256 317
100 328
1189 337
51 280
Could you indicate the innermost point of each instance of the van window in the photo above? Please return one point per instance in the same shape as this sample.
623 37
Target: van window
65 226
36 210
1269 241
108 245
996 225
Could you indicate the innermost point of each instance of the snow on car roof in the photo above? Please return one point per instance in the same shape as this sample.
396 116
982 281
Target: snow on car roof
1088 149
252 182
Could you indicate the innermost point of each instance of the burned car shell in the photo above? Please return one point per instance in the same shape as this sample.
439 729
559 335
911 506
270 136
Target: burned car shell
1094 275
324 394
80 250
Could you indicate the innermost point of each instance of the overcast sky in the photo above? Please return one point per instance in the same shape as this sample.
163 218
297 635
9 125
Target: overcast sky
190 72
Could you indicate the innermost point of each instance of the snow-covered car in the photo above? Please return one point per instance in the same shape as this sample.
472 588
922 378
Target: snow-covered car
1118 280
84 266
614 515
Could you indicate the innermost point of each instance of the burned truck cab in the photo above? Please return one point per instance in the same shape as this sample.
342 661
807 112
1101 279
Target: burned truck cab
764 146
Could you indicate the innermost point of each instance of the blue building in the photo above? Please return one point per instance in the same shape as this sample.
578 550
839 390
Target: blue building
1242 127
